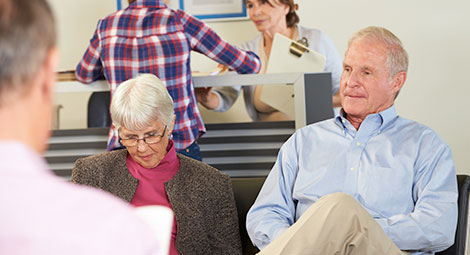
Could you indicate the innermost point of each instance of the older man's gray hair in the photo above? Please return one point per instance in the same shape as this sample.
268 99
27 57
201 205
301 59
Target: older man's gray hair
138 102
397 58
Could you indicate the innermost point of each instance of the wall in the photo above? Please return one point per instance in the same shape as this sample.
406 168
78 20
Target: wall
76 21
435 34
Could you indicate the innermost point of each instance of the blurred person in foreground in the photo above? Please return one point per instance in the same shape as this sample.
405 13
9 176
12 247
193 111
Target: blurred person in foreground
150 172
365 182
40 212
149 37
271 17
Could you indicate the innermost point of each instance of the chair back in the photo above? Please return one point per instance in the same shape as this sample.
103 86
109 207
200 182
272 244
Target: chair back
98 110
460 245
245 191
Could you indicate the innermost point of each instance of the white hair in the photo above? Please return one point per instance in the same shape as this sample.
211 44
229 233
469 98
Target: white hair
397 58
138 102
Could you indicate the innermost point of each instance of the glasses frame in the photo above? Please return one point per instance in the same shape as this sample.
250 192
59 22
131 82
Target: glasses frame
144 139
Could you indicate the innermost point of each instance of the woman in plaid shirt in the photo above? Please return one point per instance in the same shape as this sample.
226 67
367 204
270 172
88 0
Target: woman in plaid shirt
148 37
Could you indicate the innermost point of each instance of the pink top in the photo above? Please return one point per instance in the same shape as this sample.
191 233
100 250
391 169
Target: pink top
151 187
41 213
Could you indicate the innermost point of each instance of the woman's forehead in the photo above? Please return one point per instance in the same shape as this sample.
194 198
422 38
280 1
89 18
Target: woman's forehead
154 126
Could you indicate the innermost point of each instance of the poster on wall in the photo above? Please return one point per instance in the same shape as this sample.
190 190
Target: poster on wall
208 10
121 4
215 9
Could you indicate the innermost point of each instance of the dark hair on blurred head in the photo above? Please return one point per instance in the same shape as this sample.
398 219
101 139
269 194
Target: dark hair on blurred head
27 34
292 18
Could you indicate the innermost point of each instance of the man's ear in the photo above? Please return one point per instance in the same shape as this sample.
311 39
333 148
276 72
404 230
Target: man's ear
49 69
398 81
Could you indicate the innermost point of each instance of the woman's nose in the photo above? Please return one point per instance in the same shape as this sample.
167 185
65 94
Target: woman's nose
141 145
256 10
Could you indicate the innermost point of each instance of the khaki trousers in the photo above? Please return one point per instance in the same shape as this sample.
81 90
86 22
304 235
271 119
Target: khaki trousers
335 224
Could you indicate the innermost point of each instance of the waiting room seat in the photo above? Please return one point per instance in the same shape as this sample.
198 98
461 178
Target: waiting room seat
98 110
246 190
460 245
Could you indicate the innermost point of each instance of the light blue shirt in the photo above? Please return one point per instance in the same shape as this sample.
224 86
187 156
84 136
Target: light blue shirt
402 172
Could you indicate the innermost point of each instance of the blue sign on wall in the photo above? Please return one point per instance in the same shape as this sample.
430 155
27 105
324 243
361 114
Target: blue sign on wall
213 11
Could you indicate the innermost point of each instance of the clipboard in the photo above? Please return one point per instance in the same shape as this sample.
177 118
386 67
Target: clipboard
289 56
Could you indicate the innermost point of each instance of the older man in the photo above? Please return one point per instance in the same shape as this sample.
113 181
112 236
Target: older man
365 182
41 213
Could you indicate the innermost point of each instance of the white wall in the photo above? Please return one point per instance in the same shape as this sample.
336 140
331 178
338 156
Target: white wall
76 21
436 35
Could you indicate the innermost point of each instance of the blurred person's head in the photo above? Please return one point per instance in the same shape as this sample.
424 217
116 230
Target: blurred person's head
28 59
269 14
142 112
374 70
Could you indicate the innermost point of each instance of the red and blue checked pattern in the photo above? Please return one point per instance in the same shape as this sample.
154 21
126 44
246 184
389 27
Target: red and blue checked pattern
148 37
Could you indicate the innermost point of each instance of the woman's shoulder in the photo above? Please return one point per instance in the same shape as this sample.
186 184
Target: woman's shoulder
252 45
318 40
109 157
311 33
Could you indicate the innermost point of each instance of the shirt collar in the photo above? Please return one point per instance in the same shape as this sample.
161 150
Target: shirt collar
170 159
386 116
165 170
148 4
340 120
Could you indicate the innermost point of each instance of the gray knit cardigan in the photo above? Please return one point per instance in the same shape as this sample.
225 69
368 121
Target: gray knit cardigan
201 197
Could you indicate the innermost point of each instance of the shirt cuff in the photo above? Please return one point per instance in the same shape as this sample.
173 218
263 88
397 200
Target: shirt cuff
220 107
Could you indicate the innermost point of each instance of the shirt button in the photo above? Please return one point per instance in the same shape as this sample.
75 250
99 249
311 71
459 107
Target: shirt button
352 168
378 132
343 121
358 144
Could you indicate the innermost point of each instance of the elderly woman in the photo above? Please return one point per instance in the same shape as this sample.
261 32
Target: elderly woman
150 172
271 17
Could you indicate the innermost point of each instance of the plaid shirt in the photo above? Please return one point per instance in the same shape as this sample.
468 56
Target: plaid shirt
148 37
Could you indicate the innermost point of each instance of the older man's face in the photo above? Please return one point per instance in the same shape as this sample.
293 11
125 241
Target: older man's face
366 85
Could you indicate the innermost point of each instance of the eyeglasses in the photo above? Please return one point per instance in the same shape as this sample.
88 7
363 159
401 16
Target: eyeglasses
150 139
